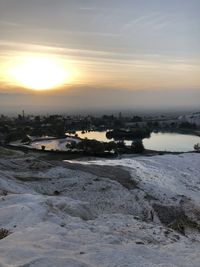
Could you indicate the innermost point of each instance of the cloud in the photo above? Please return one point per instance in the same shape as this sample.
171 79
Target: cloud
130 44
155 21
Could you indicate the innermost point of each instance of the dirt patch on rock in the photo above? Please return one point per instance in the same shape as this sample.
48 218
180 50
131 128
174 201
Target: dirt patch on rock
175 218
115 173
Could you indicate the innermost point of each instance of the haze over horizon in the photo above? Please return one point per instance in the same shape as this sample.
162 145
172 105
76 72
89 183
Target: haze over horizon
107 55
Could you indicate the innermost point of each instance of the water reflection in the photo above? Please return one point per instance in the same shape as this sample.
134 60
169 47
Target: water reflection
158 141
171 142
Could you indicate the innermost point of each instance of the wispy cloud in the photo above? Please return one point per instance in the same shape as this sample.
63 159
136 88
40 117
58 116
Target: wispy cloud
90 8
8 48
154 20
9 24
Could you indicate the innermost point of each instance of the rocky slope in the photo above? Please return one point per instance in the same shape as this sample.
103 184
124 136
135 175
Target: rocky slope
142 211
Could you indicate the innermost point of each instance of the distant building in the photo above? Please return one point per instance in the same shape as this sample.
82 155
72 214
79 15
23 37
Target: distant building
191 118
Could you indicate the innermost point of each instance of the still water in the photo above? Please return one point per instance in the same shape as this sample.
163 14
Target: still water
174 142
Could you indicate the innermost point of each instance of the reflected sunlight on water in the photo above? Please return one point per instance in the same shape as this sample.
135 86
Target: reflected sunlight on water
158 141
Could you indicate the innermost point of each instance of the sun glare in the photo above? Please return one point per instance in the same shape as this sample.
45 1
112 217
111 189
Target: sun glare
39 73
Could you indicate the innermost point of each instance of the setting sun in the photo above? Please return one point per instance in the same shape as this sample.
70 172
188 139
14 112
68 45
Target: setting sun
39 73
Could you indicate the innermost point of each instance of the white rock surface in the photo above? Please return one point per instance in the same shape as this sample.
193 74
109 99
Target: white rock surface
67 215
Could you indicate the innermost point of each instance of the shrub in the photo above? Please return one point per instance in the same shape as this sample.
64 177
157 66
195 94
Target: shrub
197 147
4 233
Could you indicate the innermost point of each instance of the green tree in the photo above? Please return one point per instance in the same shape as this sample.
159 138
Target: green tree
110 146
91 146
138 146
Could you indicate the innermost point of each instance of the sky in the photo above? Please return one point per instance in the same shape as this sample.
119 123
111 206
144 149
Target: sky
127 55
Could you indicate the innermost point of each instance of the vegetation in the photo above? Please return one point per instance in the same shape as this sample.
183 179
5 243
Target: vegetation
120 128
121 144
138 146
197 147
91 146
187 125
4 233
110 146
136 133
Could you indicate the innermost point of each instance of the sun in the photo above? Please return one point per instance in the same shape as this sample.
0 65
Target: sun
39 72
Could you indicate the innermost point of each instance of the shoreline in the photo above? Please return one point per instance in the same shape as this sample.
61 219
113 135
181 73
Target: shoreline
79 154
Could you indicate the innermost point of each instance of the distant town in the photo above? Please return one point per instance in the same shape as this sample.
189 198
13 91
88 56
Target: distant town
25 130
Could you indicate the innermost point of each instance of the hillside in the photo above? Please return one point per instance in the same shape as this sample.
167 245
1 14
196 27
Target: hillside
139 211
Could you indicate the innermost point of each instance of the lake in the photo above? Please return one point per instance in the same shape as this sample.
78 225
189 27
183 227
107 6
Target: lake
174 142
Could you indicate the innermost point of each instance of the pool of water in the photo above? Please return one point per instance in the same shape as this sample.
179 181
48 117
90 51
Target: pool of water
54 144
174 142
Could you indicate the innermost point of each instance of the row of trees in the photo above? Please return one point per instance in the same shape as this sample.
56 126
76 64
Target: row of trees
97 148
129 135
